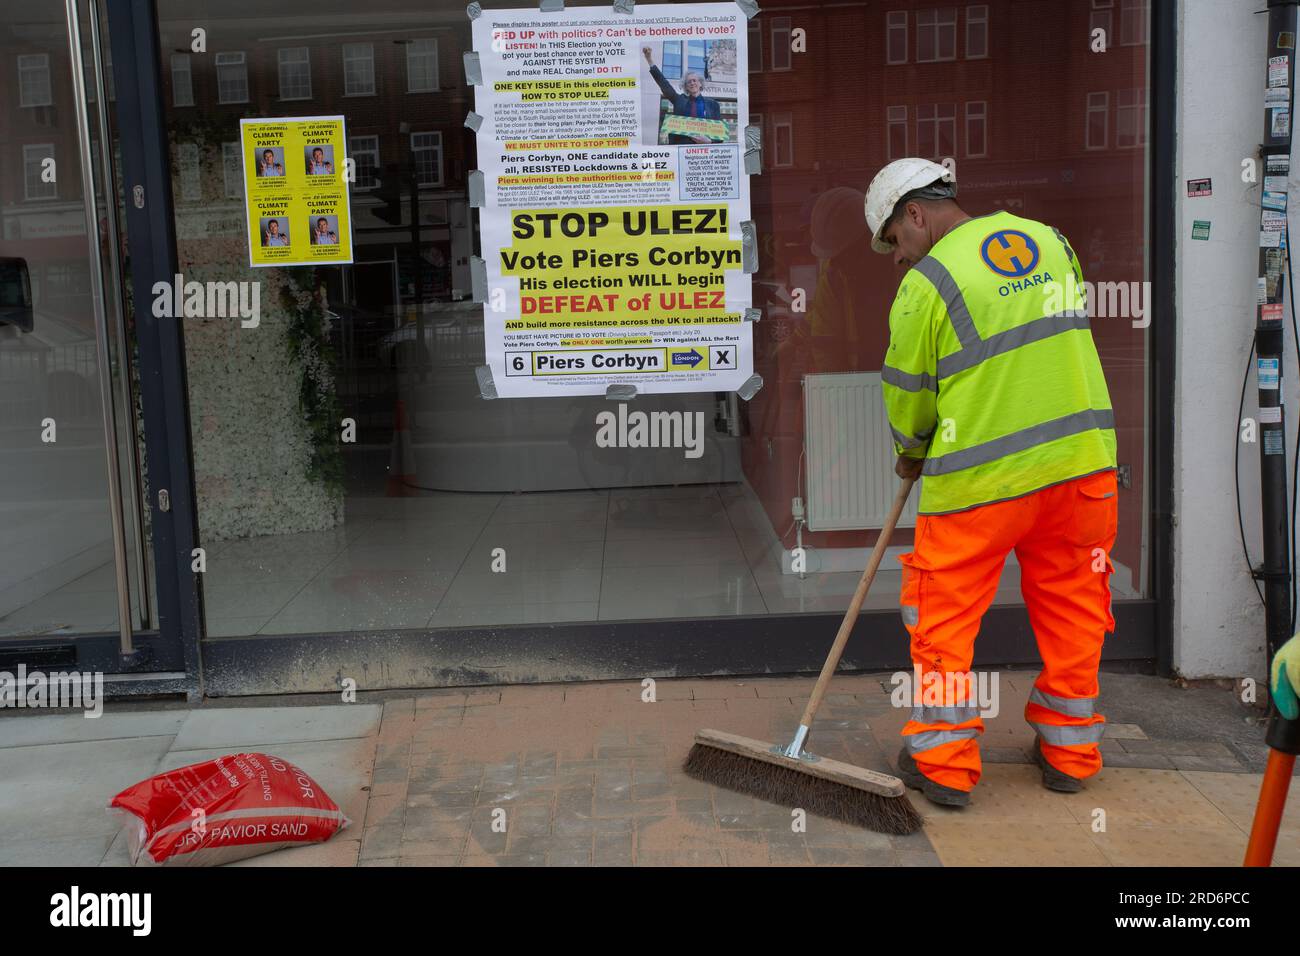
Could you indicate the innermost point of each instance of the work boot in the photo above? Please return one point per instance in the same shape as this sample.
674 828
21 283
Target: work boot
911 775
1054 779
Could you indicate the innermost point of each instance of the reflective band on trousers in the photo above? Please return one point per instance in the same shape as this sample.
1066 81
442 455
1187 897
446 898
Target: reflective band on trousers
929 739
946 286
1018 441
911 614
945 715
1069 706
1011 339
1070 736
909 381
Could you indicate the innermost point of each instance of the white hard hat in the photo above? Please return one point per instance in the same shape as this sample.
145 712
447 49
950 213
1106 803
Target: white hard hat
892 183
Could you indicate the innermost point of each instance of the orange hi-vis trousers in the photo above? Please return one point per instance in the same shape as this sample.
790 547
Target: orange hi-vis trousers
1062 536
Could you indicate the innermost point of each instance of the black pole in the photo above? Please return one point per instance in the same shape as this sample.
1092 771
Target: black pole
1276 156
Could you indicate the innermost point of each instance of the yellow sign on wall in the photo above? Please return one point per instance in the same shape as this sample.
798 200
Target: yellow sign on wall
296 191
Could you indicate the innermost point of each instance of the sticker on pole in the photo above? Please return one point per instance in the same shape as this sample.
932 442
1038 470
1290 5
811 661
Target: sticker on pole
223 810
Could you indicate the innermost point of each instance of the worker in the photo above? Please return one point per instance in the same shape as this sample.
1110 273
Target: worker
997 403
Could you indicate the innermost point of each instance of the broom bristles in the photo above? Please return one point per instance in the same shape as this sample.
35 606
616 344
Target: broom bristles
790 787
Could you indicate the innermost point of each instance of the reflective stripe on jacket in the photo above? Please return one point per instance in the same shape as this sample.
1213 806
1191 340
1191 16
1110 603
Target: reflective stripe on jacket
991 374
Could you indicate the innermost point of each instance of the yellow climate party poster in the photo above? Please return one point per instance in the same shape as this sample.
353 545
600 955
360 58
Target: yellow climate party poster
296 190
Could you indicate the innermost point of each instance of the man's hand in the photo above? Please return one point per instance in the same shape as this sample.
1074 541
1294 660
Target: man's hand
645 51
699 138
908 467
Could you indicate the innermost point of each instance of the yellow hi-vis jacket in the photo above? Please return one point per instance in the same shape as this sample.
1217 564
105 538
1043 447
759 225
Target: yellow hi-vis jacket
992 375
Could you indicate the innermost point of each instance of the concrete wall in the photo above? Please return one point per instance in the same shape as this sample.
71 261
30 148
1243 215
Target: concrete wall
1219 621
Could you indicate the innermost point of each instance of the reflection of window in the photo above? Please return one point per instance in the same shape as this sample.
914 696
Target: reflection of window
896 36
896 120
1132 22
1097 123
697 58
187 160
782 139
34 80
672 65
426 153
755 47
781 43
88 65
977 32
182 80
232 78
364 151
977 129
1099 18
936 35
936 130
232 170
34 187
358 69
295 73
422 65
1131 118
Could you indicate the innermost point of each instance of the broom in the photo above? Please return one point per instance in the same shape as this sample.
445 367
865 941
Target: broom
792 776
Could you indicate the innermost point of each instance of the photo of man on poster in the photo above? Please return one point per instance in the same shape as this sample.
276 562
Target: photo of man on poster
322 234
272 236
268 164
690 102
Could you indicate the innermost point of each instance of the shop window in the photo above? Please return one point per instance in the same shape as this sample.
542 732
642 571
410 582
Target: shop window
34 80
781 43
364 151
977 129
232 78
977 32
422 65
755 47
896 122
782 139
358 69
896 37
426 153
672 65
232 170
936 130
295 73
34 186
1133 18
936 35
1131 119
1097 121
182 80
187 163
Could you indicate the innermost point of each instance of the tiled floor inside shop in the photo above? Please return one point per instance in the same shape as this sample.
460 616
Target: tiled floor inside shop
427 561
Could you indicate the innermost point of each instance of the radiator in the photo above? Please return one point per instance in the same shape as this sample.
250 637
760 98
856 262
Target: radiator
850 471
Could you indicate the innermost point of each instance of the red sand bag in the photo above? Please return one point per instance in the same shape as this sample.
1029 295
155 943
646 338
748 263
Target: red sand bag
227 809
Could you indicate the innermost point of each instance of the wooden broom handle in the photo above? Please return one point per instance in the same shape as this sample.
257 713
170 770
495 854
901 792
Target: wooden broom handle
860 595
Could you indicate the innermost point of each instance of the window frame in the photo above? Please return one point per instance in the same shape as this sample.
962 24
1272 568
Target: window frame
442 156
782 27
1134 22
374 82
783 120
983 21
937 27
1088 111
188 85
755 46
1140 106
434 69
232 168
242 63
280 65
44 68
354 151
890 124
43 151
890 29
983 117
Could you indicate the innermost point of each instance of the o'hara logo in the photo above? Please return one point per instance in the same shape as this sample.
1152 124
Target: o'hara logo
73 909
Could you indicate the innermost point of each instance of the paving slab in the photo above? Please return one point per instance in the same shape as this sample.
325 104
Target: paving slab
17 730
238 728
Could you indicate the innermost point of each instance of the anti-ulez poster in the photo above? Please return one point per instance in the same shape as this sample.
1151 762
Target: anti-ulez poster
611 147
296 190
